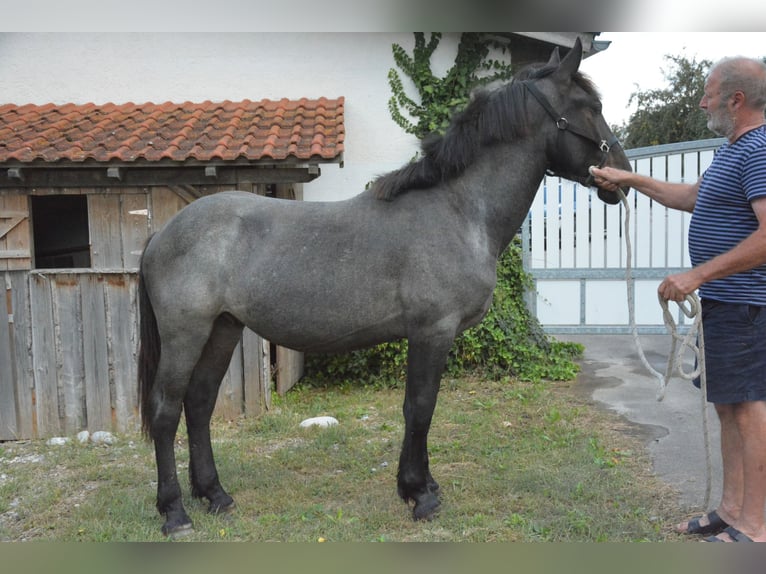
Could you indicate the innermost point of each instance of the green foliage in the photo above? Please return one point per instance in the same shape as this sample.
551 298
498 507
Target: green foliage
670 114
509 340
440 97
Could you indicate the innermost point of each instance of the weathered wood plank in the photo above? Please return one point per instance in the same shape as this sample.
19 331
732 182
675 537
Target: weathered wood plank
256 379
229 403
98 406
8 417
70 369
15 238
105 236
44 356
135 228
164 205
122 343
289 369
21 334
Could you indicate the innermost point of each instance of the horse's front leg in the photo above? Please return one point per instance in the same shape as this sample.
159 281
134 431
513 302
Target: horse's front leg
425 364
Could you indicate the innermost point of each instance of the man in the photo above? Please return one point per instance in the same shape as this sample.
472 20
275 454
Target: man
727 245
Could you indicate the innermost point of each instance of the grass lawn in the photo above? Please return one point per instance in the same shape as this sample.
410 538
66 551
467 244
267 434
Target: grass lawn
516 461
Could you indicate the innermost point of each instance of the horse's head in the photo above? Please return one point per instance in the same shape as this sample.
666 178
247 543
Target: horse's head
578 135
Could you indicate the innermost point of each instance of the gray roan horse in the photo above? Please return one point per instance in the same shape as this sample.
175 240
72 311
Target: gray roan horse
412 257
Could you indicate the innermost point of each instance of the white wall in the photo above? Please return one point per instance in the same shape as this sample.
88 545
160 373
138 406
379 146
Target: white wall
178 67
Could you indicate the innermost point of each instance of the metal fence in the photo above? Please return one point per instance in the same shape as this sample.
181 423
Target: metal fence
574 246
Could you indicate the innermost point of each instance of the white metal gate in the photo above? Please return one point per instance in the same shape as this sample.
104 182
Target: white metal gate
574 246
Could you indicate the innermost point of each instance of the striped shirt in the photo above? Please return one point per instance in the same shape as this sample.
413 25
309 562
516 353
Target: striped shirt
723 217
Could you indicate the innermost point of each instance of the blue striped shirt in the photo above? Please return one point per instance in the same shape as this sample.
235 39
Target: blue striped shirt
723 217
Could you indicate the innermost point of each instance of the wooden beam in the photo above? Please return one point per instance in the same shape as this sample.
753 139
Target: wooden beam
185 192
155 176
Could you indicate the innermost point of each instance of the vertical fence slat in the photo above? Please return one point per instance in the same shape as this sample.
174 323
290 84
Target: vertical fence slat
44 356
567 215
8 424
658 226
122 345
135 227
613 218
537 233
22 348
67 314
553 224
675 237
229 404
256 373
95 352
582 227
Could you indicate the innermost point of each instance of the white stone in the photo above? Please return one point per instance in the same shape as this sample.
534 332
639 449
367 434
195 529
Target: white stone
83 436
57 441
319 422
102 437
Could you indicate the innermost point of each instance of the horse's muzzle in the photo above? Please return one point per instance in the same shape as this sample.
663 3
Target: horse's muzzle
607 196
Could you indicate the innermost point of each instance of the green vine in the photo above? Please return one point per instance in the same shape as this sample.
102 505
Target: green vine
441 97
510 340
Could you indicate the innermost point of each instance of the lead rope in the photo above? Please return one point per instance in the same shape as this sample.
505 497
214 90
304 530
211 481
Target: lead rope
675 358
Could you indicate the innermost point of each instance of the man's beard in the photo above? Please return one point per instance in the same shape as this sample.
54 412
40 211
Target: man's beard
721 123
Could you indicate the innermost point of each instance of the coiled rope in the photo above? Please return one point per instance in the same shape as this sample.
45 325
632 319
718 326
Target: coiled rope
692 340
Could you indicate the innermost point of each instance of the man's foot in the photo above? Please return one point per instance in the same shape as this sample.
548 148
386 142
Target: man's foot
710 523
731 534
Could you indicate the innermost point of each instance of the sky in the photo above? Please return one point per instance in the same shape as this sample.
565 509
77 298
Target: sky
635 60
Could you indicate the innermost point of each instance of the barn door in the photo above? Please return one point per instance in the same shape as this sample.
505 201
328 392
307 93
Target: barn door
15 250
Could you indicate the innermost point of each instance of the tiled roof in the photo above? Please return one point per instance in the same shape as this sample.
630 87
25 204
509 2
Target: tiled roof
305 129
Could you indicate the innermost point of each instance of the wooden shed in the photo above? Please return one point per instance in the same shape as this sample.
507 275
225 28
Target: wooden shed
82 187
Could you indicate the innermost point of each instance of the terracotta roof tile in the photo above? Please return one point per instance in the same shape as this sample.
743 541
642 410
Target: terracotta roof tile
301 129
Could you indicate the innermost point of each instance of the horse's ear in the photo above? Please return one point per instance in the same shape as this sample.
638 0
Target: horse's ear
571 62
555 59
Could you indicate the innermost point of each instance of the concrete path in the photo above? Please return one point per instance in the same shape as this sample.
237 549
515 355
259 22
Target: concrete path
613 374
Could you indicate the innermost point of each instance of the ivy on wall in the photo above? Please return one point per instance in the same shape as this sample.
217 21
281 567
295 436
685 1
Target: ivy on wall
439 97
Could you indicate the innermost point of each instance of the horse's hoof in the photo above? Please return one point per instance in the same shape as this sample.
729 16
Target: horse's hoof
222 508
427 508
179 531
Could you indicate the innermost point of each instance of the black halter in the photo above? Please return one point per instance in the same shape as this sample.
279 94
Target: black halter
563 124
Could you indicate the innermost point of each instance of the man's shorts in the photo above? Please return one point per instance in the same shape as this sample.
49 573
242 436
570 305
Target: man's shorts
735 352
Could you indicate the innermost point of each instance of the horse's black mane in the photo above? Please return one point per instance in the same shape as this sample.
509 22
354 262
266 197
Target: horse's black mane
492 116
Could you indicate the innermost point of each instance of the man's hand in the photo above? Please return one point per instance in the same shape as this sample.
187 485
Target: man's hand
677 287
608 178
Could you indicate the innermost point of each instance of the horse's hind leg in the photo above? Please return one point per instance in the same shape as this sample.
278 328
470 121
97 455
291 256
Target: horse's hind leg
177 361
198 408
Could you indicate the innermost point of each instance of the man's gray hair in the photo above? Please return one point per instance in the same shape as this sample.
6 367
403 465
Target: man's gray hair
746 75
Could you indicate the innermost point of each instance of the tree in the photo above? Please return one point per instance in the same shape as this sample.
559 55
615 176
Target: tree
670 114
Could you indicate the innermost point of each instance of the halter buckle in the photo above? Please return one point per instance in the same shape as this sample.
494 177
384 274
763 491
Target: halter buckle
562 123
604 146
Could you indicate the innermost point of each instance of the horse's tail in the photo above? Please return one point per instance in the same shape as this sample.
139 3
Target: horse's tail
148 352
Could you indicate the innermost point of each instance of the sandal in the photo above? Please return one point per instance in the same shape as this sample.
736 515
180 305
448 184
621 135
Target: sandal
715 525
734 534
